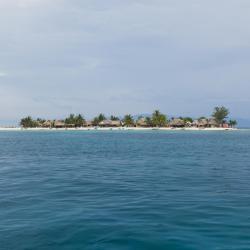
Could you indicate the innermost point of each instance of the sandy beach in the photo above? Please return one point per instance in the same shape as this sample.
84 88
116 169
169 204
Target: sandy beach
115 129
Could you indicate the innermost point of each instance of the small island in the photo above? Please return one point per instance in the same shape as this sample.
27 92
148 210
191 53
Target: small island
218 121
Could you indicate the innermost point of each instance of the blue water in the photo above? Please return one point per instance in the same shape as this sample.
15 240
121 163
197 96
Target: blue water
125 190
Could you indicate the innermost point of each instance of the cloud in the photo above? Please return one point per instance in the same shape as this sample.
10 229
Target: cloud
125 56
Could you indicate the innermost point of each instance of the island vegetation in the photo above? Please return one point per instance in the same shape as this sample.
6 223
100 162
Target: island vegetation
218 119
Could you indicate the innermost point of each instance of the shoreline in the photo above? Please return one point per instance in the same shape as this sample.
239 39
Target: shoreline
117 129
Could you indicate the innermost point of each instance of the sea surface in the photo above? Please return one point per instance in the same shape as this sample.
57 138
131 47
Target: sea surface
125 190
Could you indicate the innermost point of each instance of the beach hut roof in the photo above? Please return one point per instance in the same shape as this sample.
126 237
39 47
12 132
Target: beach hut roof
116 123
88 123
177 122
212 122
105 122
109 123
59 123
47 123
203 122
142 121
70 124
195 122
189 123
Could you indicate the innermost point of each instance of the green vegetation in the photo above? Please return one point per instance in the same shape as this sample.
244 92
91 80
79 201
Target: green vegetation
39 120
232 123
114 118
28 122
148 121
157 119
98 119
220 114
202 118
75 120
187 119
128 121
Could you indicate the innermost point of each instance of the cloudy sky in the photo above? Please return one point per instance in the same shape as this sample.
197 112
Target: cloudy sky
116 56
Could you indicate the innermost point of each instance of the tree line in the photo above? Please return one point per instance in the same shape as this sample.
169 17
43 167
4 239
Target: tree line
157 119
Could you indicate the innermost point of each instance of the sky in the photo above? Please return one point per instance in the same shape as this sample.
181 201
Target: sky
117 57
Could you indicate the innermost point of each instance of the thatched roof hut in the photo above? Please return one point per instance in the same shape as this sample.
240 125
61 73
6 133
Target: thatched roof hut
177 123
88 124
116 123
195 123
110 123
69 125
59 124
47 124
212 123
188 124
203 123
141 122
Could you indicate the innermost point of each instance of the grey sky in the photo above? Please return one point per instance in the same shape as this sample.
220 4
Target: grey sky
115 56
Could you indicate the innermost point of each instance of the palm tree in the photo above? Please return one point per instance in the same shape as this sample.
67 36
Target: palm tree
148 121
98 119
40 121
28 122
232 123
187 119
101 117
75 120
128 121
79 121
158 119
114 118
95 121
220 114
70 119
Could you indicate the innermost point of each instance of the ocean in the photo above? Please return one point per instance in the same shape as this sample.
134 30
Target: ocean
125 190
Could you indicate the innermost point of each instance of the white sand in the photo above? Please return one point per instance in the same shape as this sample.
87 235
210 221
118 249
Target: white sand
116 129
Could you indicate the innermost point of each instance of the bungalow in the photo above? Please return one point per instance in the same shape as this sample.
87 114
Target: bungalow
188 124
59 124
109 123
205 123
141 122
69 125
88 124
47 124
177 123
195 123
202 123
212 123
116 123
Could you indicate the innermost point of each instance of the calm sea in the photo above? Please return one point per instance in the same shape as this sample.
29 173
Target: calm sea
125 190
